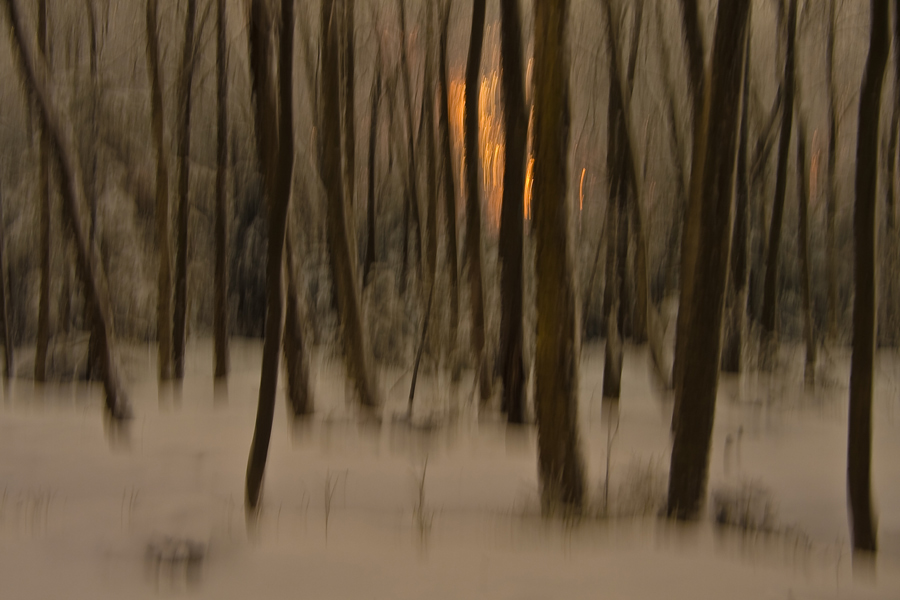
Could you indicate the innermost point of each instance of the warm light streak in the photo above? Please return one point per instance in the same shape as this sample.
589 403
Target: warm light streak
581 190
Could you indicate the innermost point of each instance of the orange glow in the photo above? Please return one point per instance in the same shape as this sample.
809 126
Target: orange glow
581 191
529 181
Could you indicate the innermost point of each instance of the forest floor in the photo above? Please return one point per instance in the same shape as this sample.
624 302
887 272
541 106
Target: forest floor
444 508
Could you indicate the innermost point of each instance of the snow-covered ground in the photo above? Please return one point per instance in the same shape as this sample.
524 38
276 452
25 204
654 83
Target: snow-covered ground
156 509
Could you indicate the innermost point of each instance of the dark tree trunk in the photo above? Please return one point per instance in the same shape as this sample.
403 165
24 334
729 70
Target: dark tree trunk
348 120
370 192
473 198
220 316
43 330
809 331
859 438
4 301
560 464
770 291
697 389
185 80
164 277
275 149
831 185
430 152
512 212
58 126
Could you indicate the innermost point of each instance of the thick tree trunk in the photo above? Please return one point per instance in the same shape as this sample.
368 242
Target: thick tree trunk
220 316
43 330
58 126
560 463
185 80
360 362
4 301
697 388
164 277
512 212
809 331
859 438
473 198
768 343
275 149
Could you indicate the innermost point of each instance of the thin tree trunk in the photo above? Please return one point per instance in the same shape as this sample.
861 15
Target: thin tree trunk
697 388
512 223
296 354
831 186
473 199
859 437
768 344
220 316
360 362
43 330
58 126
348 120
370 192
431 191
164 277
560 463
4 301
809 332
275 149
185 81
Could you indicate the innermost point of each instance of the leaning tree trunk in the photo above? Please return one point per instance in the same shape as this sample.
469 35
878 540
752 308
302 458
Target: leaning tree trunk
185 80
697 388
43 329
164 277
809 332
4 298
220 314
859 438
275 149
770 291
58 125
512 223
360 362
560 464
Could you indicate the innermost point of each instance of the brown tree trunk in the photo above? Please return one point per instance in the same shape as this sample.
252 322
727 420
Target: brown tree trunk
164 277
185 80
831 185
859 437
560 463
697 388
473 198
348 98
58 126
296 354
360 362
430 151
768 343
809 331
370 192
275 149
220 316
512 212
4 301
43 331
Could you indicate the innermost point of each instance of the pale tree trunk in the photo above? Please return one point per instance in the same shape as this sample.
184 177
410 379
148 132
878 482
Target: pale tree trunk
449 190
185 80
164 277
360 362
769 320
43 329
4 301
220 315
58 126
697 388
275 149
809 331
473 199
560 463
831 185
859 437
512 224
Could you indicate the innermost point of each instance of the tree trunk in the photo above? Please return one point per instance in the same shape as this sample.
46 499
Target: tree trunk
4 300
58 126
348 104
859 438
296 354
697 388
370 192
360 363
831 185
473 199
809 332
560 463
512 212
768 344
164 277
275 149
43 330
430 152
220 316
185 80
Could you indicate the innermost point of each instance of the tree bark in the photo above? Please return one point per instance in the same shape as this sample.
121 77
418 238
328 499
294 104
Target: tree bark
859 437
697 389
473 198
43 331
220 316
560 463
185 80
512 223
275 149
809 332
58 126
770 291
